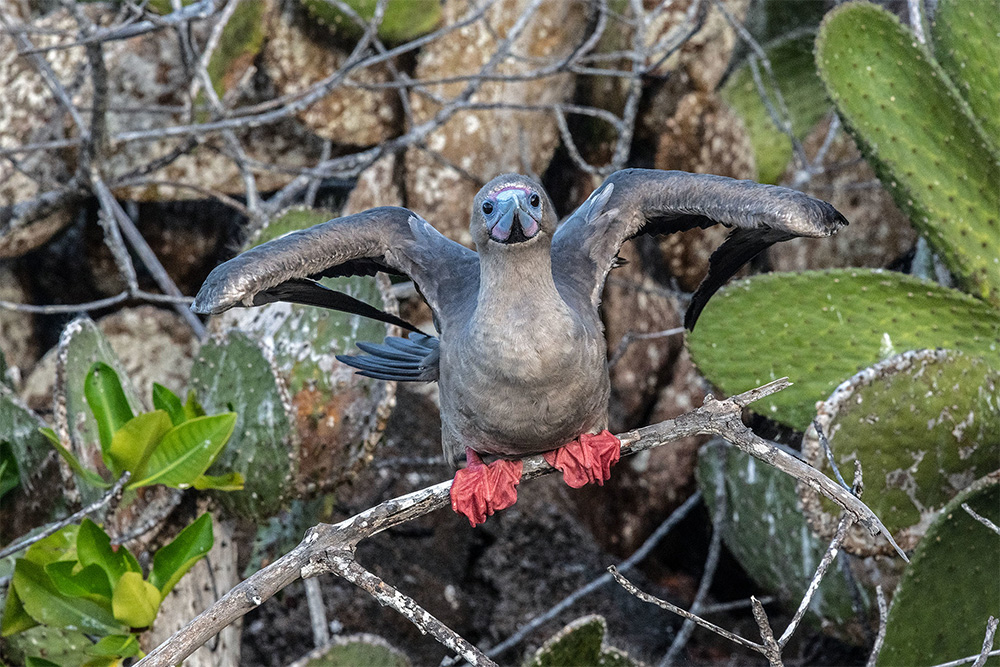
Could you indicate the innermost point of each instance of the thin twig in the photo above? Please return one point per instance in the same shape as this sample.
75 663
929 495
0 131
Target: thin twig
991 630
916 22
632 336
831 552
883 614
344 565
110 500
657 535
145 253
825 442
981 519
663 604
317 612
771 649
711 560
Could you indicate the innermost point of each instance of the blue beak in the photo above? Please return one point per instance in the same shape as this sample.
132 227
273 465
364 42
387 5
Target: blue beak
515 223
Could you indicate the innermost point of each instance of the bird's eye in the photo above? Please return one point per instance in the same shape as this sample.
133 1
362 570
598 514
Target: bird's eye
487 207
534 200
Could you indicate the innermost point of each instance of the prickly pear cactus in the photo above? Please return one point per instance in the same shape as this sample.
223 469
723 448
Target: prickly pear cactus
361 649
802 90
54 644
241 41
232 372
820 327
338 416
923 424
767 533
19 429
403 20
580 643
940 609
80 346
965 43
918 133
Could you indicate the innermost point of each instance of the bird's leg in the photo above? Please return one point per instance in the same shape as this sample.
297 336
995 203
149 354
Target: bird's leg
587 459
479 490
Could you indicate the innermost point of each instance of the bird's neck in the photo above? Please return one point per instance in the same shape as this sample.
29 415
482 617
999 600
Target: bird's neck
518 272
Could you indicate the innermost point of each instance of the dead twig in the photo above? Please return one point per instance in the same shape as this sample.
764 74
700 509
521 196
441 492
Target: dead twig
981 519
661 531
109 500
663 604
771 649
883 614
711 560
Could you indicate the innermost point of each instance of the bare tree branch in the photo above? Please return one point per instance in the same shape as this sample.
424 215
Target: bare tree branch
312 555
771 649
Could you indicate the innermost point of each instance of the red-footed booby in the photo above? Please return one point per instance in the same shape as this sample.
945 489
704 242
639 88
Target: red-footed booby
521 358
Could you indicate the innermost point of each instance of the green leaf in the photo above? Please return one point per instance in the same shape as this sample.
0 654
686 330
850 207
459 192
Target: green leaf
93 547
134 442
89 476
172 561
231 482
10 477
164 399
60 545
15 618
186 451
116 646
42 600
192 408
90 581
35 661
135 601
107 401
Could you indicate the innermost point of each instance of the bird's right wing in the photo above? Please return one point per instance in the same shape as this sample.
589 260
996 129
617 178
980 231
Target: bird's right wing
648 201
389 239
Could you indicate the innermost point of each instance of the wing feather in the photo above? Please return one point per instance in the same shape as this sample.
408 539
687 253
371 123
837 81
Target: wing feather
390 239
647 201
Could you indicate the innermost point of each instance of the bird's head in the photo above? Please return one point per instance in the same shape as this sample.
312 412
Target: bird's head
509 210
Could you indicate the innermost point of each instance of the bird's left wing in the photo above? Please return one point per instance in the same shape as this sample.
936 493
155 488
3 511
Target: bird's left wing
389 239
648 201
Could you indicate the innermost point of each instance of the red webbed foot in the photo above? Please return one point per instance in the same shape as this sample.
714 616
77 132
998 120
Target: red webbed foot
479 490
587 459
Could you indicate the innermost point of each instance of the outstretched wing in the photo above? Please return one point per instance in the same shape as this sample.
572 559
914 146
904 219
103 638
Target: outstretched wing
390 239
648 201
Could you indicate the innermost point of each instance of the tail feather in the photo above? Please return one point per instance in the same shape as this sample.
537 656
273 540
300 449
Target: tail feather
411 359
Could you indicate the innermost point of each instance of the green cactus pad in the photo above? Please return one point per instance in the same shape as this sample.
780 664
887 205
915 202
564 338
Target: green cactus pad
403 20
80 346
802 91
19 429
353 650
767 533
966 37
915 129
42 641
821 327
949 590
232 372
239 44
924 425
580 643
338 415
